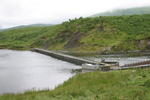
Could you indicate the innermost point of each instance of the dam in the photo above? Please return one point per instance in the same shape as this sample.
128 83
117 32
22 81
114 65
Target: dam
64 57
80 61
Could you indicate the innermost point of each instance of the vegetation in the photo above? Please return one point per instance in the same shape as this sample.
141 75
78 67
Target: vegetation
111 33
129 11
107 34
23 37
114 85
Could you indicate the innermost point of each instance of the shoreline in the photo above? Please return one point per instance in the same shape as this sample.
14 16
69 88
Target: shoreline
93 85
132 53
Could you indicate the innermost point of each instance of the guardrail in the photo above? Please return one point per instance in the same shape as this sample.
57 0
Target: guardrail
137 64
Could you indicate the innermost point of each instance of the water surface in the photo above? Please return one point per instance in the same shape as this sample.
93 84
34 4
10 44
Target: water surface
26 70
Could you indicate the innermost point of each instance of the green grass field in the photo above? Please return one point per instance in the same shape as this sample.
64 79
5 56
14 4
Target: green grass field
113 85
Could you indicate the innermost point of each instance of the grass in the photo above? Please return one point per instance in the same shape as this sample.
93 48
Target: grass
99 34
114 85
26 37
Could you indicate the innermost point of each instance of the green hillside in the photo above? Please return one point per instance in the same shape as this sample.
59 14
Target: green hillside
108 33
23 38
129 11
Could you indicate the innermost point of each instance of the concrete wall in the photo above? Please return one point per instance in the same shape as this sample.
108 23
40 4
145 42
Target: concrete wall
64 57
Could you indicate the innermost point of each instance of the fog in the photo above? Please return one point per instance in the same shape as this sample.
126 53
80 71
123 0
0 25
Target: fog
23 12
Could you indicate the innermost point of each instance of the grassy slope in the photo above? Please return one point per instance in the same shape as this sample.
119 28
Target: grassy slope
23 38
114 85
129 11
84 34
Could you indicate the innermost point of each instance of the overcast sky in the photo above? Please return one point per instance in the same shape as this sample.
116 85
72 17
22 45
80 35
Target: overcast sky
23 12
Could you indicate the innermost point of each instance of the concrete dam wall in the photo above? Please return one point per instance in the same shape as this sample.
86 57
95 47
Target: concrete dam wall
64 57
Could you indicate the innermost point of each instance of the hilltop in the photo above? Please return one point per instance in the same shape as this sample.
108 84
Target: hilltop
98 34
129 11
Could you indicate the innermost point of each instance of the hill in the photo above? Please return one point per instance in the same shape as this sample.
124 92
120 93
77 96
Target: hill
99 34
30 25
129 11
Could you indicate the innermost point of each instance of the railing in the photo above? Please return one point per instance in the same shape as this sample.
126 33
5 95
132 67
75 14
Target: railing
137 64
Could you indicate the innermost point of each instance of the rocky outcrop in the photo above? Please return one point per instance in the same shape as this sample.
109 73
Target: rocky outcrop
74 41
143 43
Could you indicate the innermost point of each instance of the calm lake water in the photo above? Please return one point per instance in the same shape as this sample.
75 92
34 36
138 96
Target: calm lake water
26 70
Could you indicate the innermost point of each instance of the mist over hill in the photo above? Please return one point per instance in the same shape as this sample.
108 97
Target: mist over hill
30 25
129 11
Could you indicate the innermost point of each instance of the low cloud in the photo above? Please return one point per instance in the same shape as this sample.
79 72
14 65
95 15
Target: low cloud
22 12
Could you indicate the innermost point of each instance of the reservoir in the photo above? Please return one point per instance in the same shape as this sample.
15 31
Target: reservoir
25 70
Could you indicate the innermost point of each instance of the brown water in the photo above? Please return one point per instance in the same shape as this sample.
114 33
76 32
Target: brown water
26 70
